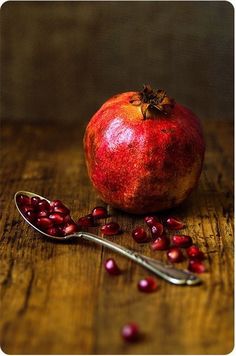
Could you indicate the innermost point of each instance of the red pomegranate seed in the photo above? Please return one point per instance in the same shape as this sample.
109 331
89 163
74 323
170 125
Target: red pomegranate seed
31 216
181 240
56 202
23 199
111 267
25 208
54 231
99 212
61 209
43 205
86 221
112 228
70 228
57 218
175 224
175 255
130 332
150 220
44 223
156 230
147 285
156 227
43 214
194 253
161 243
34 201
139 234
196 266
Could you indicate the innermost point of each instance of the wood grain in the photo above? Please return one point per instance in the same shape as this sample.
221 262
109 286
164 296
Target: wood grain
56 297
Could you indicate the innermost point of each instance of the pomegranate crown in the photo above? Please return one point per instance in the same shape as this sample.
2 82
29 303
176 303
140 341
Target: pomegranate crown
153 102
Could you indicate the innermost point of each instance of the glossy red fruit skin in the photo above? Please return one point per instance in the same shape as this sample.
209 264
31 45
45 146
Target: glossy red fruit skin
175 224
196 266
61 209
111 267
130 332
181 241
165 153
175 255
111 228
31 216
25 208
194 253
161 243
147 285
139 235
99 212
53 231
154 225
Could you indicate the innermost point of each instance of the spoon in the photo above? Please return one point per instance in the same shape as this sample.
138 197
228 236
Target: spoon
165 271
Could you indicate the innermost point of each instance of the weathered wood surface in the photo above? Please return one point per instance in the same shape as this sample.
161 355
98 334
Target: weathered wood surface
57 298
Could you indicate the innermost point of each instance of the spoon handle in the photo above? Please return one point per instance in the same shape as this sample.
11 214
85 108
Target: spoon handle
165 271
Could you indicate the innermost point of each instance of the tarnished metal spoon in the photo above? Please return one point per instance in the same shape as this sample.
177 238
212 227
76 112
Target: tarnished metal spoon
165 271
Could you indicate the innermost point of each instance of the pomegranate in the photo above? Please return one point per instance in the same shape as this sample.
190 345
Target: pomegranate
175 224
175 255
161 243
144 152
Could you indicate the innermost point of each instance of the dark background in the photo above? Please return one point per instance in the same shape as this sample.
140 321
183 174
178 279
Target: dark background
61 61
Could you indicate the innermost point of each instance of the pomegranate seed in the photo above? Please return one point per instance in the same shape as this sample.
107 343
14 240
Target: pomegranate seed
161 243
130 332
43 214
175 255
99 212
156 227
181 240
147 285
194 253
31 216
43 205
69 229
111 267
23 199
44 223
175 224
56 202
57 218
196 266
86 221
157 230
112 228
139 234
35 200
150 220
54 231
24 209
61 209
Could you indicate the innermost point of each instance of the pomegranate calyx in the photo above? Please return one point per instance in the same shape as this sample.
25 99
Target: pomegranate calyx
153 102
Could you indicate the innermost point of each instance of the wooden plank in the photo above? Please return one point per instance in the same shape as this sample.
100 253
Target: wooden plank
57 298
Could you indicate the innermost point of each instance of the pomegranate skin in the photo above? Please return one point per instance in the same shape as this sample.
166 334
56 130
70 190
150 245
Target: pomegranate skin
143 165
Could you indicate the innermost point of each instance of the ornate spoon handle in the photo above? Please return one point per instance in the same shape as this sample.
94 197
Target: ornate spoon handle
165 271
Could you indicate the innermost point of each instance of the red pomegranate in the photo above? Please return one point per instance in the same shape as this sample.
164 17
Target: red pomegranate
144 151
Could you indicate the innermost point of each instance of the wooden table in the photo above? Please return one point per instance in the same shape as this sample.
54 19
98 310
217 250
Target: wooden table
57 298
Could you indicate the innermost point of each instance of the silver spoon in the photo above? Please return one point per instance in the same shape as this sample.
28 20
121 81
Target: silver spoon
165 271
